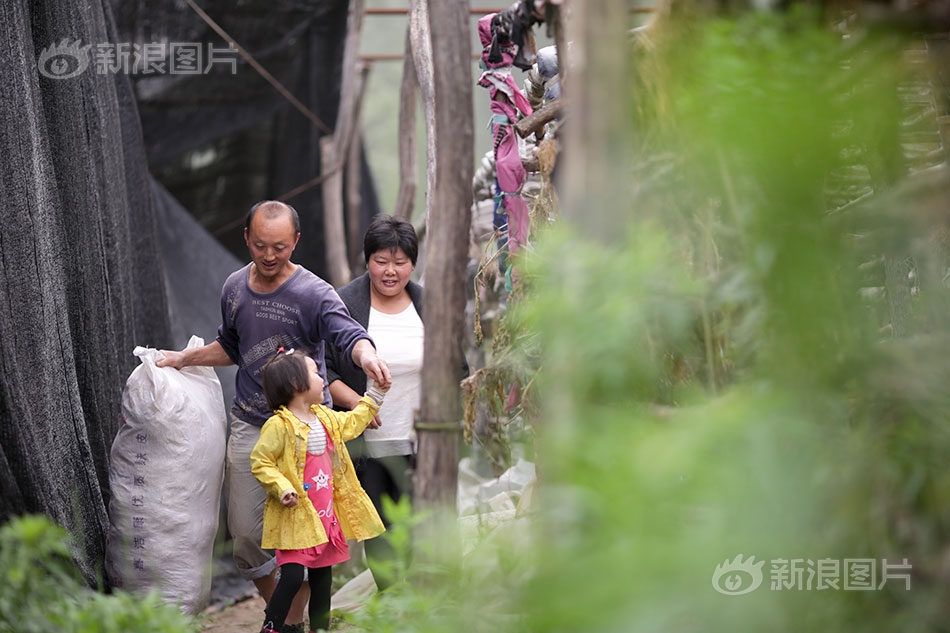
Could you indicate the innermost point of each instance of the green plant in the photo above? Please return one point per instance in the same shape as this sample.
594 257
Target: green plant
713 382
42 591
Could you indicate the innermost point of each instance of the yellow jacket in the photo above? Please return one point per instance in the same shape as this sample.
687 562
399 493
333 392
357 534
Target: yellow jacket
277 462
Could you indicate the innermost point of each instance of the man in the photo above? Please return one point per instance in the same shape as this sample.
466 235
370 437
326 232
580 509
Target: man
271 303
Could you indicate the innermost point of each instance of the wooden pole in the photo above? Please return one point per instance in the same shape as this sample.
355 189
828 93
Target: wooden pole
596 135
439 421
333 150
408 166
423 63
354 181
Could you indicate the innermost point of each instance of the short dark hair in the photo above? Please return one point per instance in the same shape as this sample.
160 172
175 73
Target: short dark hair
387 232
284 377
272 208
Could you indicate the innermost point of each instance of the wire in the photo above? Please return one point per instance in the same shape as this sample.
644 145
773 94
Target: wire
260 69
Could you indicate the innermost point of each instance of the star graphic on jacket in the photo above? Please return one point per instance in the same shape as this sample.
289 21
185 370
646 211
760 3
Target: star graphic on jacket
322 480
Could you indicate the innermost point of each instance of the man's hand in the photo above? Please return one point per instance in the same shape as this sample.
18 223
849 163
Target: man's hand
376 368
171 359
364 355
210 355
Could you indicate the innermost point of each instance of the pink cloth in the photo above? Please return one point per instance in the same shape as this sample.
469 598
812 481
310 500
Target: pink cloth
318 475
506 100
510 173
501 81
484 35
508 168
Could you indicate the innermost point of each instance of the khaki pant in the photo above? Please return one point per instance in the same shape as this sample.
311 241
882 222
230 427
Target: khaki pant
245 499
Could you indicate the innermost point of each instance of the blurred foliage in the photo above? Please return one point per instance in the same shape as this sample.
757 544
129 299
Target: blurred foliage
715 385
719 382
42 591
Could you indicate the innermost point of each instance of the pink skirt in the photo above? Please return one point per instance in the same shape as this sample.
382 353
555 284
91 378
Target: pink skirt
318 484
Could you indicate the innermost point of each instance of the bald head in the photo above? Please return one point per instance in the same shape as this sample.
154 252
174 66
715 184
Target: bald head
272 209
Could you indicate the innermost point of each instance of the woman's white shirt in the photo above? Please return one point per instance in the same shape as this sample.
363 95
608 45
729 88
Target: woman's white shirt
399 341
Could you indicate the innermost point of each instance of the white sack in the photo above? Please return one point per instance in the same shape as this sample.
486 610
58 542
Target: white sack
165 474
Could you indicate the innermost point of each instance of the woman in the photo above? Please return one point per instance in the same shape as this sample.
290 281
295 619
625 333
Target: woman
389 305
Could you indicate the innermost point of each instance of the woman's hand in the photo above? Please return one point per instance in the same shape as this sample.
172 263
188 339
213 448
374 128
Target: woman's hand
289 498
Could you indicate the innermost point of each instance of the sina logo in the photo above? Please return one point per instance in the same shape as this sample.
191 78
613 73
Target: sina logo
737 577
62 61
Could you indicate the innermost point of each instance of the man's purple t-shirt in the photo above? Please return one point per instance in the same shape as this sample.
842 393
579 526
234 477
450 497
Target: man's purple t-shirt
303 313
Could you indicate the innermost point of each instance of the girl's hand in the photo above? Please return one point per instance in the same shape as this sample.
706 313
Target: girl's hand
375 424
289 498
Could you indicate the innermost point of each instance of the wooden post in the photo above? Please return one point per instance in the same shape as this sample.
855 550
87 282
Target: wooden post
596 134
408 96
439 421
422 61
354 171
354 206
331 189
560 45
333 152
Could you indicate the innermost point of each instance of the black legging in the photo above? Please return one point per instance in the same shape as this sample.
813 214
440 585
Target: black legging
291 577
391 477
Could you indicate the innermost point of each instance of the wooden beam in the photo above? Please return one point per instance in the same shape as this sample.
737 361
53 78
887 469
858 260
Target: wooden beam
405 11
536 121
473 10
397 57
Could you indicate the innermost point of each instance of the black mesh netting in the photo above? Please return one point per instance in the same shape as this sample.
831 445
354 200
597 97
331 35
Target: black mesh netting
224 139
96 256
80 271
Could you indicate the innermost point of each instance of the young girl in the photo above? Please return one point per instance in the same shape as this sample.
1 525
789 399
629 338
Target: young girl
314 500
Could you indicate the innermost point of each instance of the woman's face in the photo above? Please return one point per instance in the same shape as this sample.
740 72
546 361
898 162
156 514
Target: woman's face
389 272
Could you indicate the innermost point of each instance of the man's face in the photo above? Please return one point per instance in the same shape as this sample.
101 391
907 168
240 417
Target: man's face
271 240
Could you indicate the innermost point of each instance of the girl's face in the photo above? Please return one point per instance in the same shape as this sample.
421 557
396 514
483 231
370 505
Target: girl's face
389 272
315 392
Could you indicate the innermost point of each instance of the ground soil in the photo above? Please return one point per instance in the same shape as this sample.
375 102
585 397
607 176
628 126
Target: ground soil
236 607
245 617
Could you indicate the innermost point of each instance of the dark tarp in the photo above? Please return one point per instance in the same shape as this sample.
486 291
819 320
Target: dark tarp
79 268
196 266
81 255
223 140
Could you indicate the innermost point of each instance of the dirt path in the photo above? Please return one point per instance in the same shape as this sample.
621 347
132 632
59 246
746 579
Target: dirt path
241 617
246 612
246 616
